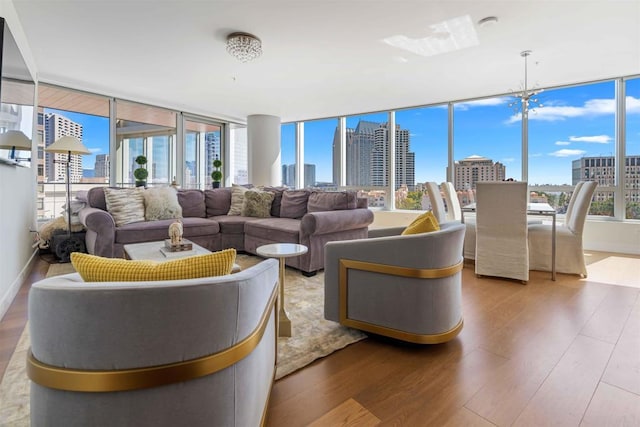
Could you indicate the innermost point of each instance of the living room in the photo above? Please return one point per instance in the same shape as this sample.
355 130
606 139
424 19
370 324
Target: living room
615 232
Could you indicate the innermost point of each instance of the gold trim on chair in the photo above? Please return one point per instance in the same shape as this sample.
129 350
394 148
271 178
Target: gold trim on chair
153 376
417 273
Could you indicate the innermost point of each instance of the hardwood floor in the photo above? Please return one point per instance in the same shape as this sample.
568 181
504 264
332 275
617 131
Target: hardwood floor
562 353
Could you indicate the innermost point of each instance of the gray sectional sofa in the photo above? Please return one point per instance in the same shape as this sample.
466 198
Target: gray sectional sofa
310 218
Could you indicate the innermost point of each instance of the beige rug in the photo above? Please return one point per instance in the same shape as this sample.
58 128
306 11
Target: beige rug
313 338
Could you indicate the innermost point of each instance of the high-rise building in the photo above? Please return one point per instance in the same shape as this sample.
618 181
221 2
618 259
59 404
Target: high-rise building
476 169
602 170
289 175
211 151
367 150
101 167
55 127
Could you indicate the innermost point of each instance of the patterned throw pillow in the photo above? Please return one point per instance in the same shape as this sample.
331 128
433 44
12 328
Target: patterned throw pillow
237 199
98 269
425 223
257 204
126 205
161 203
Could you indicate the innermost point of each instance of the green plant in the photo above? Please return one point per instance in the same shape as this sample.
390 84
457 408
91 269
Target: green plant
141 173
216 175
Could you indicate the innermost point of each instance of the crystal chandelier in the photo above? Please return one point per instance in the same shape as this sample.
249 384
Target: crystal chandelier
525 98
244 46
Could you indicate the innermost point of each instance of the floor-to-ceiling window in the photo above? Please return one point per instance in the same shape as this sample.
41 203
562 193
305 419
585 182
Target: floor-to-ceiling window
425 154
85 116
239 147
319 137
572 138
149 131
202 141
632 158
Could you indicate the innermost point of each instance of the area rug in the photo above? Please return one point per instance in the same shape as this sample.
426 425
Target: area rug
312 338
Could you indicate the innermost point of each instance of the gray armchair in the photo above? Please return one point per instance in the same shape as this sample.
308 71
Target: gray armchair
196 352
405 287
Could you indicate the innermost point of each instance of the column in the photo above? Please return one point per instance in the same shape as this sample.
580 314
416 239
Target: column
263 141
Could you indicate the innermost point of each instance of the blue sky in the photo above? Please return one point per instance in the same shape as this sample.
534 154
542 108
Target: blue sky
573 122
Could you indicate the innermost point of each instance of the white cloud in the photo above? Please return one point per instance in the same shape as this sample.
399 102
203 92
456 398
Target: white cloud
563 143
95 150
598 139
555 111
565 152
535 155
508 160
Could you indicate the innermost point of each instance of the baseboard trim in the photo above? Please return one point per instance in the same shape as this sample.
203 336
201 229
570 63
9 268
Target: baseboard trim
9 296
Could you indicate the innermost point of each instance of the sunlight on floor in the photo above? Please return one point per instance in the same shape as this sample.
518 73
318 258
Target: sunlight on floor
613 269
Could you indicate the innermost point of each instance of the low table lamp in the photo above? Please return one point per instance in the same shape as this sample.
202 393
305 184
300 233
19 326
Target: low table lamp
15 140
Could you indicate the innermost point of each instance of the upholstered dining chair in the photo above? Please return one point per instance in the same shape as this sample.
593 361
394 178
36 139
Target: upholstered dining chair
501 230
454 213
437 204
569 250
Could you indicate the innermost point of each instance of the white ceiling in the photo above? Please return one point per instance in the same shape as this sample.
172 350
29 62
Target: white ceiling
322 58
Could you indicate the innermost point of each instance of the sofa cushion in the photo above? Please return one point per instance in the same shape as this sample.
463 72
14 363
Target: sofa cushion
277 198
161 203
217 201
126 205
424 223
98 269
192 203
284 230
233 224
237 199
320 201
150 231
96 199
294 203
257 203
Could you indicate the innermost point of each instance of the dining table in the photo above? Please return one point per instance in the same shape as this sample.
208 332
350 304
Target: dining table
535 209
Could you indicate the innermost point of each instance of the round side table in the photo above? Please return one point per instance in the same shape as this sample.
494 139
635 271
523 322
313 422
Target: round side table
282 251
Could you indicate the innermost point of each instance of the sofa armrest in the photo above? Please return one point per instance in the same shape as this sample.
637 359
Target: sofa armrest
101 231
333 221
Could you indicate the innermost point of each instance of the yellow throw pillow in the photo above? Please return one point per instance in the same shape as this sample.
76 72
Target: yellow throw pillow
425 223
98 269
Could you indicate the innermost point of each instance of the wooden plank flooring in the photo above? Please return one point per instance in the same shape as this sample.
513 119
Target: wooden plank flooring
546 353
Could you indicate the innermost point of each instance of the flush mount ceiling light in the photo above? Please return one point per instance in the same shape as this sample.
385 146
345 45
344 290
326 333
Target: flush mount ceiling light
244 46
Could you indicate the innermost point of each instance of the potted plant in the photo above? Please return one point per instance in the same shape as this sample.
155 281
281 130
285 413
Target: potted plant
216 175
141 173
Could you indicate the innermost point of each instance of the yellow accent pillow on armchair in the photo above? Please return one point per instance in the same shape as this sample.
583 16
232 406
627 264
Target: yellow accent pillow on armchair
424 223
98 269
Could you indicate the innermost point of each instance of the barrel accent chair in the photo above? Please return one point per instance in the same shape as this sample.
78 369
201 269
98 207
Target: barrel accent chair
194 352
407 287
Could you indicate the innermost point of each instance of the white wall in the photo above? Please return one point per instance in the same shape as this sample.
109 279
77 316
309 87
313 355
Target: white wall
17 197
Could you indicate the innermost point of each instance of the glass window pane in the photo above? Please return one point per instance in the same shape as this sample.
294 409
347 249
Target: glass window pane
632 167
487 143
572 138
239 156
288 154
149 131
428 132
318 153
202 147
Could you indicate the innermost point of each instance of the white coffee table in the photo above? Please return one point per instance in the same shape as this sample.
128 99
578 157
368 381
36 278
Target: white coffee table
282 251
151 251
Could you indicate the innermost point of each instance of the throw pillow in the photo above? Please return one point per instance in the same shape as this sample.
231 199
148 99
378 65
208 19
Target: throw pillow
98 269
320 201
257 204
294 203
237 199
126 205
161 203
424 223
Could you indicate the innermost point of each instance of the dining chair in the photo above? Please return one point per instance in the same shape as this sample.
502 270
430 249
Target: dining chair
501 230
454 213
569 249
437 204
